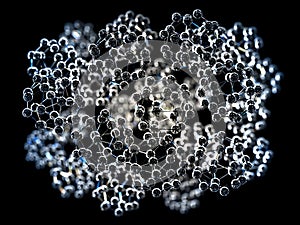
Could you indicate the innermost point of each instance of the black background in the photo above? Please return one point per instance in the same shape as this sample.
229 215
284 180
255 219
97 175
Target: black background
264 200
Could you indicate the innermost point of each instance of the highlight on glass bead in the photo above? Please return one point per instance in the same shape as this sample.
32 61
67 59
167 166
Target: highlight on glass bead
126 112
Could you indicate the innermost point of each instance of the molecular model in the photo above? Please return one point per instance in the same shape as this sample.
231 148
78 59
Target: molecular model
127 112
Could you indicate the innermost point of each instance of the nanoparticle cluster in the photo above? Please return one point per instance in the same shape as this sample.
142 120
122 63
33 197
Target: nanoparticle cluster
126 111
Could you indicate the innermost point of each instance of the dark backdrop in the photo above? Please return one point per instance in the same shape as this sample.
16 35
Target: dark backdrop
268 199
